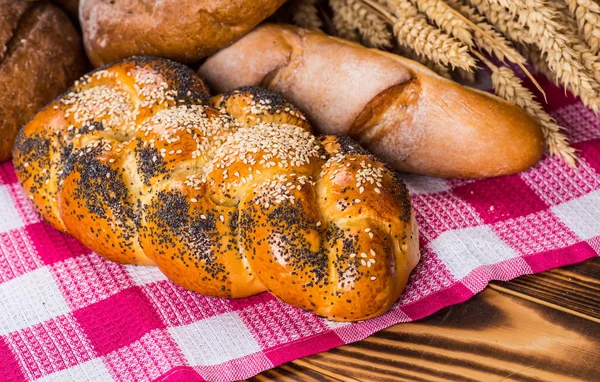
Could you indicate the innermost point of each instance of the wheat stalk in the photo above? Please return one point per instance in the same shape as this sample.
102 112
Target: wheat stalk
502 19
438 12
590 60
535 56
305 14
587 15
501 49
508 86
549 36
508 3
441 70
499 46
354 14
343 20
413 31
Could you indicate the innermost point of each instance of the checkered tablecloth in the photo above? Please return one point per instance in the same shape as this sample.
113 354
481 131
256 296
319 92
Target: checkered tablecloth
68 315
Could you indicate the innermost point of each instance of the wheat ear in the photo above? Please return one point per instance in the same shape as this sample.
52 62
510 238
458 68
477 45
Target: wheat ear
343 20
372 30
501 46
508 86
414 32
441 70
502 19
306 15
587 14
438 12
549 36
508 3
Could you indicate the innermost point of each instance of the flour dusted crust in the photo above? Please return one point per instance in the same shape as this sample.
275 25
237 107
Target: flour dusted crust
229 199
403 112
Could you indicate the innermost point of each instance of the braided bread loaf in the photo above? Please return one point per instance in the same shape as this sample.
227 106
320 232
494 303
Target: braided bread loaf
227 201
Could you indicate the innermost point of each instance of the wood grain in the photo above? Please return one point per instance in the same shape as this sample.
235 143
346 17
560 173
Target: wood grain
542 327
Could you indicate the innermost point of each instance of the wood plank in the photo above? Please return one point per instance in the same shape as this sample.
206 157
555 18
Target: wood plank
576 287
494 336
296 373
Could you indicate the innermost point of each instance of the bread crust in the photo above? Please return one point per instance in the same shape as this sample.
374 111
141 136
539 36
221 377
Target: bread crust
403 112
114 30
228 200
40 56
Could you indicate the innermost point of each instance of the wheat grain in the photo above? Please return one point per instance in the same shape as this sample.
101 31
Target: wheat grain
502 48
413 31
305 14
438 12
441 70
548 34
360 24
372 28
343 20
538 25
587 15
508 3
508 86
535 56
590 61
502 19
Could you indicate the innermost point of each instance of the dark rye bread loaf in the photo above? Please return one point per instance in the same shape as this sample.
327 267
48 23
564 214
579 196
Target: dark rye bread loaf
40 56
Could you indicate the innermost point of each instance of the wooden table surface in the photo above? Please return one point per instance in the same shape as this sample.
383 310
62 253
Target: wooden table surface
543 327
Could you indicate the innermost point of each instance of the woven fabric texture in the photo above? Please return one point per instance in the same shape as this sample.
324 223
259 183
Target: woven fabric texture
66 314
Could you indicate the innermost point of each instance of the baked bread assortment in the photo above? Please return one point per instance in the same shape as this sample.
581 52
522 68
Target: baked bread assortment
183 30
403 112
40 57
228 200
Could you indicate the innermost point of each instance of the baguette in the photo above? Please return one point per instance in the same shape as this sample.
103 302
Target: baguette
403 112
227 201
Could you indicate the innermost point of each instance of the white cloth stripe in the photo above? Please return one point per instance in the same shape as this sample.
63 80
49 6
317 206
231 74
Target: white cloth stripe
465 249
9 215
581 215
215 340
28 300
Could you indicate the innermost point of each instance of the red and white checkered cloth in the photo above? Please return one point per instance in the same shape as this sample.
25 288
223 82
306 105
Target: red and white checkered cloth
66 314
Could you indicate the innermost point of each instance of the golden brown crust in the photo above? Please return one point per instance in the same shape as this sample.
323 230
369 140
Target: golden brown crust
114 30
40 56
228 201
401 111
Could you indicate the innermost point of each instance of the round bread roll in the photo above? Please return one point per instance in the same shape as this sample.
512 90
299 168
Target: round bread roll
183 30
40 56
